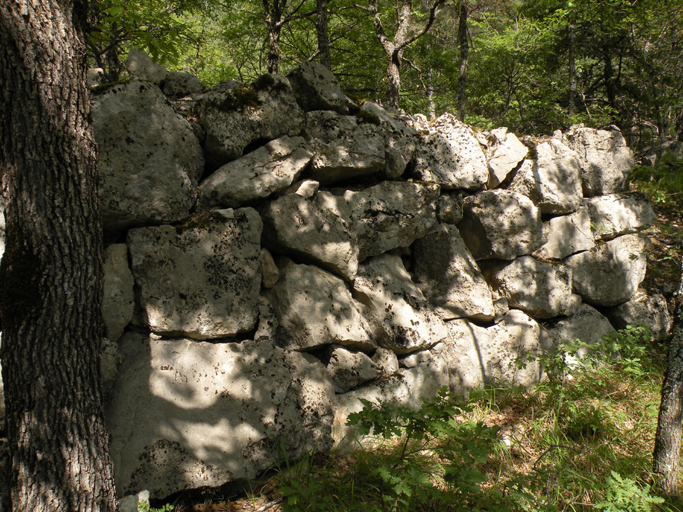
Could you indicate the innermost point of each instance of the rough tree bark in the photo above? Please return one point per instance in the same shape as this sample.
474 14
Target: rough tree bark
323 36
463 41
667 449
402 39
51 272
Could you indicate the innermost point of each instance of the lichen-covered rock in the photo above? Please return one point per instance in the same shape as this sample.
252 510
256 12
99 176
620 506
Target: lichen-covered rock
350 369
149 158
449 208
542 290
141 66
586 325
257 175
615 214
566 235
265 110
401 317
386 361
506 154
610 273
450 156
449 277
390 215
318 229
178 84
553 180
400 141
651 310
188 414
200 280
344 148
501 224
314 309
606 161
118 301
316 88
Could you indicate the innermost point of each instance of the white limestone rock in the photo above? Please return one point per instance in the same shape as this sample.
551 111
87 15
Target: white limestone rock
449 208
118 302
506 154
553 180
610 273
449 277
190 414
449 155
566 235
316 88
401 317
606 161
177 84
141 66
318 229
344 148
390 215
314 309
501 224
238 117
350 369
149 158
651 310
263 172
615 214
587 325
201 280
542 290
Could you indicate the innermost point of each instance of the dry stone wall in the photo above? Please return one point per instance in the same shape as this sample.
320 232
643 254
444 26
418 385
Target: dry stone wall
288 252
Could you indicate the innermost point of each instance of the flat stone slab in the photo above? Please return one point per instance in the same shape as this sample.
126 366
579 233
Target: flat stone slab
566 235
270 169
201 280
616 214
188 414
449 277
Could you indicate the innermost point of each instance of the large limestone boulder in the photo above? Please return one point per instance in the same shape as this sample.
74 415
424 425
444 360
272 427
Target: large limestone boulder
542 290
392 214
149 158
553 180
188 414
450 156
449 277
461 350
610 273
257 175
177 84
350 369
400 141
141 66
501 224
615 214
651 310
566 235
118 303
315 308
200 280
506 154
316 228
606 161
238 117
402 319
316 88
344 147
586 325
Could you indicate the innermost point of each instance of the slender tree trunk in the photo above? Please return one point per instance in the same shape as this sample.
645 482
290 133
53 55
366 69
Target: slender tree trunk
430 95
610 85
273 15
51 272
572 66
394 80
464 53
668 436
323 36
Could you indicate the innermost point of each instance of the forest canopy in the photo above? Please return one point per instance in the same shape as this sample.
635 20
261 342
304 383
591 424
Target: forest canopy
534 66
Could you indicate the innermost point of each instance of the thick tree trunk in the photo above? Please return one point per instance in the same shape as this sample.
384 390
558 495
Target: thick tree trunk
668 436
273 16
464 53
394 80
323 36
51 273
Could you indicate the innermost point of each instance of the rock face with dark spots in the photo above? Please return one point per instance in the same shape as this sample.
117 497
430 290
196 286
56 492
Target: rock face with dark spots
200 280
